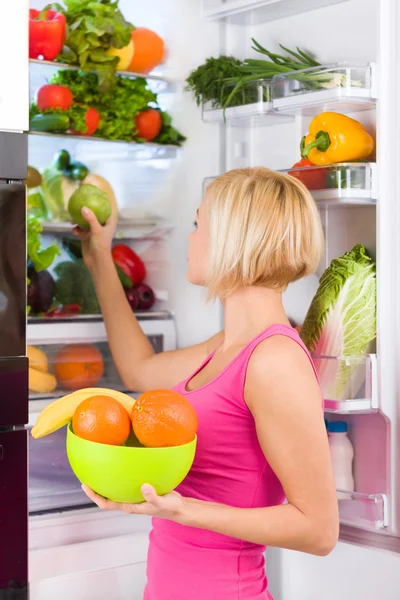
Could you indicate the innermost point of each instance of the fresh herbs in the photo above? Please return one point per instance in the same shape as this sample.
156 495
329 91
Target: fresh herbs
94 27
207 82
41 258
226 81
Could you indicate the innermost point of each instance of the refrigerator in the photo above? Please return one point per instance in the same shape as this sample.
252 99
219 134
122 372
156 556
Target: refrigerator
357 39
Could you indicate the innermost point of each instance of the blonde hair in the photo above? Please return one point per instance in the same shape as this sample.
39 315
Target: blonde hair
264 230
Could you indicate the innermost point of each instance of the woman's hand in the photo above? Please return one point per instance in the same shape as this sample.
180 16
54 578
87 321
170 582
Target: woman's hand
96 242
171 506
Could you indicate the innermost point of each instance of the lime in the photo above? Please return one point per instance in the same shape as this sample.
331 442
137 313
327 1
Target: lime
92 197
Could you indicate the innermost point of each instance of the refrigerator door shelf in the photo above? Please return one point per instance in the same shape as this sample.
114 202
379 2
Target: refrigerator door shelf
367 511
253 12
349 383
341 184
251 101
338 87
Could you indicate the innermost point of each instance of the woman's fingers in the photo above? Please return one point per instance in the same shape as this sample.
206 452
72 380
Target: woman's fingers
101 502
90 217
145 508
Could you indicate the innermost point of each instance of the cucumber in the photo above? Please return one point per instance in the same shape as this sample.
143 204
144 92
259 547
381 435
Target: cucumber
49 122
62 160
78 171
73 247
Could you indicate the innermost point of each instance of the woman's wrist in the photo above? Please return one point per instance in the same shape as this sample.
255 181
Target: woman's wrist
189 513
100 263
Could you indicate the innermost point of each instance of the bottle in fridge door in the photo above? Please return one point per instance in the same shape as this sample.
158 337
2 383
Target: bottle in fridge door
342 453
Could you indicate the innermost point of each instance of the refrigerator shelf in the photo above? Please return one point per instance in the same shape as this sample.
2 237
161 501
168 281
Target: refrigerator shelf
101 147
339 87
138 229
248 12
141 315
368 511
63 366
349 383
157 82
343 183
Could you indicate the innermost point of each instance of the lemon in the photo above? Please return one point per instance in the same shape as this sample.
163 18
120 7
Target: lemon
124 54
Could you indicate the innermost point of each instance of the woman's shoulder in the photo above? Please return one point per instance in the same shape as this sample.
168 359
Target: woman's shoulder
282 363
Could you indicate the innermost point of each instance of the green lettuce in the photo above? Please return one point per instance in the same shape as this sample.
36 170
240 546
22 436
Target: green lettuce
93 28
341 322
41 258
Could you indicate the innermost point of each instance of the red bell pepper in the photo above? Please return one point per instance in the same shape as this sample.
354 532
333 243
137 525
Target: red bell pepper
47 30
129 262
313 179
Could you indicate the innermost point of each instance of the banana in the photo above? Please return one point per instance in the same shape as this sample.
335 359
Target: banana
37 359
59 413
41 382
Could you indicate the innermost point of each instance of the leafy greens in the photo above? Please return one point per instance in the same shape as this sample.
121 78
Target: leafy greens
117 107
93 28
41 258
341 321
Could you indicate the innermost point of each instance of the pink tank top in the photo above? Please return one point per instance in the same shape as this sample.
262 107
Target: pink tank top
186 563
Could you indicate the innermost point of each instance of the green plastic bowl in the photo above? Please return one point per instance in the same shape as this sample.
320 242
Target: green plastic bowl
118 472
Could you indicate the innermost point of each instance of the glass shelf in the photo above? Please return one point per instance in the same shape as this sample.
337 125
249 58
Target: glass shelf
120 149
252 12
337 87
344 183
253 100
349 383
58 369
141 315
368 511
138 229
156 82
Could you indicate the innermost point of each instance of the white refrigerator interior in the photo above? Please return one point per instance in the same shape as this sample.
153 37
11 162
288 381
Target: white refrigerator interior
364 35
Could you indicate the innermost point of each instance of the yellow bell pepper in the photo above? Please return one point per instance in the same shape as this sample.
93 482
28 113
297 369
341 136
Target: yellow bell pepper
335 138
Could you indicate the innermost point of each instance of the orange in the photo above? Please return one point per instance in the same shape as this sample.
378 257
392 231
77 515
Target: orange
78 366
103 420
148 51
162 418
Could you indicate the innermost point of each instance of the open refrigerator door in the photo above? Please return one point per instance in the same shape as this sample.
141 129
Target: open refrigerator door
265 116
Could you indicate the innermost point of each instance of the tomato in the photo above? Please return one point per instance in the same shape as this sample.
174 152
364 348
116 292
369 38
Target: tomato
148 124
92 120
129 262
54 96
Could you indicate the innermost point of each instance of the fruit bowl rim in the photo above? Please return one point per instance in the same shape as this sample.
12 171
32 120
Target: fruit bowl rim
164 448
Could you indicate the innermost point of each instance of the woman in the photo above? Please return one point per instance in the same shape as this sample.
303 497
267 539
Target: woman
261 434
